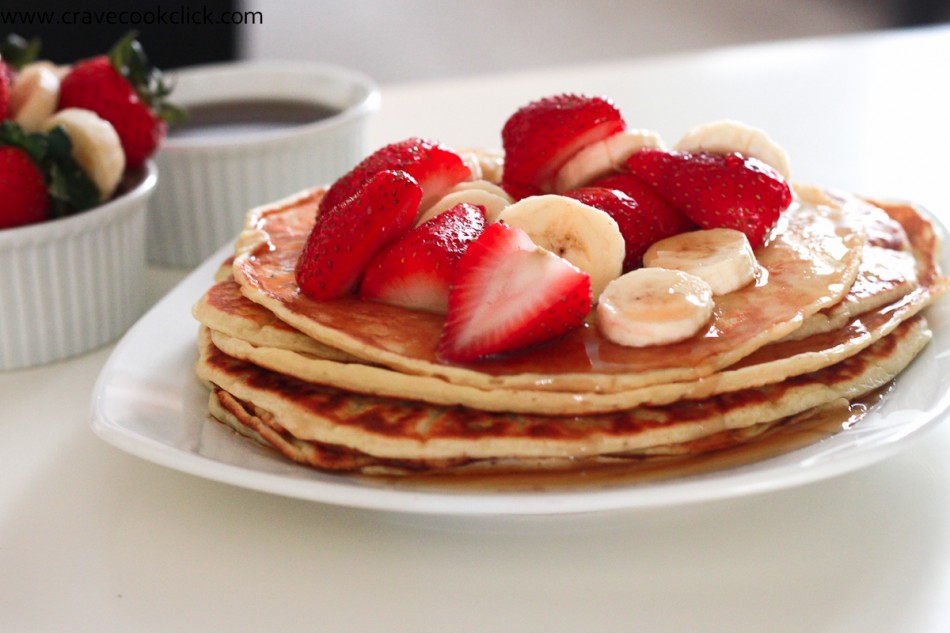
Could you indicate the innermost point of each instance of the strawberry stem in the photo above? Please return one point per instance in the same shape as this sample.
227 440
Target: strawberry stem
128 57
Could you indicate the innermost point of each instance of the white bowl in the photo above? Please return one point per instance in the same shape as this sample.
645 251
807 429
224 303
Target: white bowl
208 182
74 283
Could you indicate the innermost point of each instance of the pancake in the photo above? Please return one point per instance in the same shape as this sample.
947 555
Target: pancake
772 363
720 450
809 265
375 428
887 273
357 387
224 309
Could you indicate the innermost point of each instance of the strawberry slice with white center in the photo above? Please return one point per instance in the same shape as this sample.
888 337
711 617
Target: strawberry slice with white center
347 236
542 136
416 271
435 167
510 294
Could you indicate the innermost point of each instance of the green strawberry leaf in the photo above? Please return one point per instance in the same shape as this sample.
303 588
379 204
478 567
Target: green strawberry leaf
69 188
11 133
18 51
128 57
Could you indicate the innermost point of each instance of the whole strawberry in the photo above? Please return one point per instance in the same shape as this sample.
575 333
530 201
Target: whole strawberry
125 90
23 196
39 178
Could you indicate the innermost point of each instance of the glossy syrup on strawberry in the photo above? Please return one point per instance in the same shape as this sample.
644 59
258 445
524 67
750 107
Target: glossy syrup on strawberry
435 167
542 136
417 270
510 294
642 220
347 236
717 190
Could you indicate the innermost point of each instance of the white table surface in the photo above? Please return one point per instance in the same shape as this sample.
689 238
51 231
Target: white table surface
93 539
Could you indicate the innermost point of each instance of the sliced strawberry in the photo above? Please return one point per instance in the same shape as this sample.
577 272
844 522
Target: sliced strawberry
638 225
655 167
416 271
717 190
543 135
666 219
347 236
510 294
435 167
23 196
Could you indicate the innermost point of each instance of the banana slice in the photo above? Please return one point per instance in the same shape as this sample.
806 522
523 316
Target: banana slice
722 257
34 95
484 185
587 237
492 203
654 306
723 137
601 158
483 163
96 147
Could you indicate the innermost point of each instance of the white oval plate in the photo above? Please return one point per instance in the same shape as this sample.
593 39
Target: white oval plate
148 403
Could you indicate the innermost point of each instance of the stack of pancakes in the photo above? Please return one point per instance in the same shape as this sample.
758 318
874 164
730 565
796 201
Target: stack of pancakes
354 386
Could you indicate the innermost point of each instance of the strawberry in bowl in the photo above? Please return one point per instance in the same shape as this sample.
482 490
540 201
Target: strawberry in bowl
125 90
75 178
85 126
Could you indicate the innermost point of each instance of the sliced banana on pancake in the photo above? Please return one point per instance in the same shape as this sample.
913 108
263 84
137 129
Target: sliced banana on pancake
491 202
723 258
602 157
587 237
654 306
723 137
483 185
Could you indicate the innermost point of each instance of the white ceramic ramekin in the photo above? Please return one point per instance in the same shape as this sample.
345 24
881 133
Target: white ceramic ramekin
76 283
207 184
